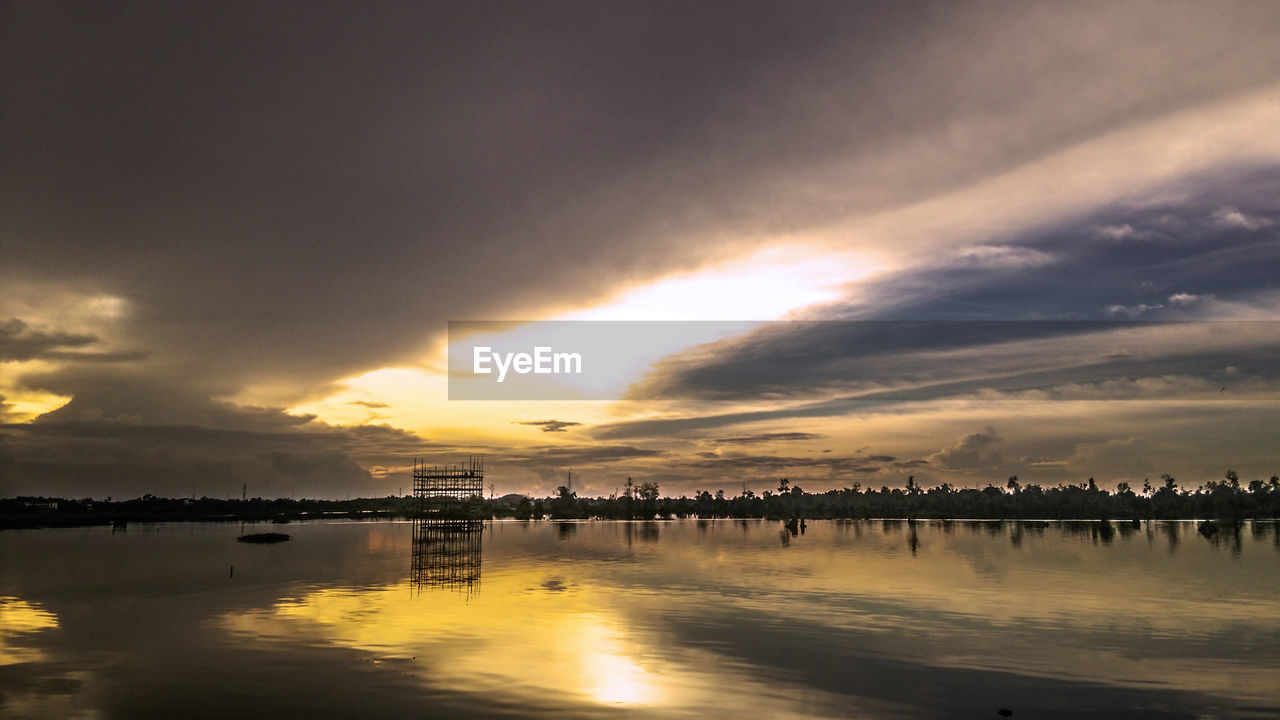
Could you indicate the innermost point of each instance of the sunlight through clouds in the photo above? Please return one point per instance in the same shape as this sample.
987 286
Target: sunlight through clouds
769 284
809 162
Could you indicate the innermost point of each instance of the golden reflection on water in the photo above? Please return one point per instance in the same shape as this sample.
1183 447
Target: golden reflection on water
516 636
595 615
548 634
19 617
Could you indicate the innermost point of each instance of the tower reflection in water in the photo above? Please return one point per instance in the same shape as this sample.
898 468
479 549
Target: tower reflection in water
446 554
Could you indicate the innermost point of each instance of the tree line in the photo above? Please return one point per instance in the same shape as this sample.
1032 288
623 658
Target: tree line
1228 498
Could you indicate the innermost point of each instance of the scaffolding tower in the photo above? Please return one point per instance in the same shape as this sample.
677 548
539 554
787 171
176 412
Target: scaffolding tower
438 487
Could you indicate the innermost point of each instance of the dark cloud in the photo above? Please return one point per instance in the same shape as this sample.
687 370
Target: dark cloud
122 397
549 425
766 437
368 404
268 178
756 467
1251 370
975 451
20 342
1187 266
126 438
550 463
1166 243
119 458
287 194
570 455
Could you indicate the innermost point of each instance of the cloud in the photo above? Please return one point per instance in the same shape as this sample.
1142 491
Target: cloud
1005 257
1123 456
756 467
1061 362
19 342
549 425
597 184
127 437
567 456
766 437
589 463
294 215
1230 217
975 451
1133 311
954 328
368 404
1123 231
127 458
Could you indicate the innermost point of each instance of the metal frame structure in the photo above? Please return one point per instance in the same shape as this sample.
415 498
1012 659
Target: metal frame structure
437 487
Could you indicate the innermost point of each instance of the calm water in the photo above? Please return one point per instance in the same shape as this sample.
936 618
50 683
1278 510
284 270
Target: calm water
679 619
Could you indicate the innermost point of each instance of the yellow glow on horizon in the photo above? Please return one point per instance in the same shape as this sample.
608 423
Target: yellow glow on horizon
26 405
418 400
766 285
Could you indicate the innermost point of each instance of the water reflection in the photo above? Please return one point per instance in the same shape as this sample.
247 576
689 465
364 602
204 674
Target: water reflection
1170 531
645 619
645 531
565 530
1227 535
446 554
19 617
1096 531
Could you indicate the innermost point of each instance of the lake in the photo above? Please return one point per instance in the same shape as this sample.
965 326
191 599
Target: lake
721 618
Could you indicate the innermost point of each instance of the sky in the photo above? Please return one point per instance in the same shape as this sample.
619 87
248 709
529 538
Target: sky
999 238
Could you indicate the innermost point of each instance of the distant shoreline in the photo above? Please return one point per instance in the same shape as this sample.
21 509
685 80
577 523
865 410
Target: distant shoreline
387 517
1227 500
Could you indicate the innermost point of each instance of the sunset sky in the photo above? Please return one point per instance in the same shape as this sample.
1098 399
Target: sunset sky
232 236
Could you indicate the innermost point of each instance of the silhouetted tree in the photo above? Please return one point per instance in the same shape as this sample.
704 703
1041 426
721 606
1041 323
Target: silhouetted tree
648 492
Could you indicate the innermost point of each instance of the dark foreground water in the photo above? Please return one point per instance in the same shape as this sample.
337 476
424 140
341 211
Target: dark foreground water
679 619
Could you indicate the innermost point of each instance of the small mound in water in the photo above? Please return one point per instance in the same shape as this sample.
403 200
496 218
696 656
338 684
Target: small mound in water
263 538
